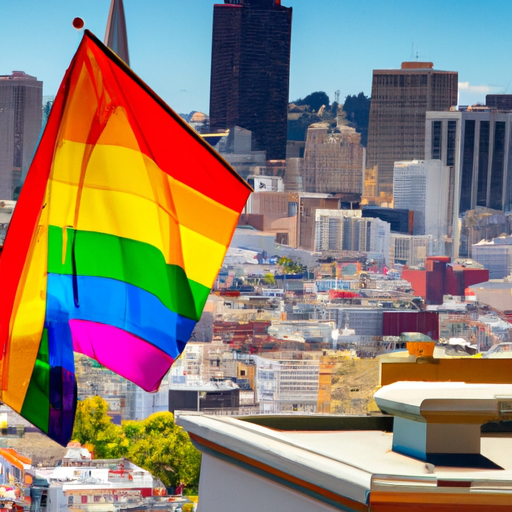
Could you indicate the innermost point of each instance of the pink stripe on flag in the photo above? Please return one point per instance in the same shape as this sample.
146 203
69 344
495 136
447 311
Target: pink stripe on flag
123 353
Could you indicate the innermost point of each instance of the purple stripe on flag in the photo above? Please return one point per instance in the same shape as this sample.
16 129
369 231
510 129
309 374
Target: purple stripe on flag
122 352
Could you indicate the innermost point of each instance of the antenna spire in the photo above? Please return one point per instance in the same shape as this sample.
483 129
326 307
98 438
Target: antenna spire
116 37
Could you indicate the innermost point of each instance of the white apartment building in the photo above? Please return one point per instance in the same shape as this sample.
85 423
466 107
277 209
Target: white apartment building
285 385
422 186
496 256
410 250
347 230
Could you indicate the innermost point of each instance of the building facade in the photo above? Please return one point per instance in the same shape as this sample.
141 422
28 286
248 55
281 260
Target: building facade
422 187
286 385
476 145
410 250
346 230
333 160
401 221
250 71
20 126
496 256
306 217
400 100
441 277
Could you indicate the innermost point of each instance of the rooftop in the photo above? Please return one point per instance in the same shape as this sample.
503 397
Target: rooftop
349 462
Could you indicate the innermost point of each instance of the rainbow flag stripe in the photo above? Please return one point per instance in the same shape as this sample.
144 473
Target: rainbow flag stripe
119 233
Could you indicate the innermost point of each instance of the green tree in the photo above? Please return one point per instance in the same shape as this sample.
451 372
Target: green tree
269 279
314 100
334 109
297 128
163 448
94 428
358 114
156 443
288 266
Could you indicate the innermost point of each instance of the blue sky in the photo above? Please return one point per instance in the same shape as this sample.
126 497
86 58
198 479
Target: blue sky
335 43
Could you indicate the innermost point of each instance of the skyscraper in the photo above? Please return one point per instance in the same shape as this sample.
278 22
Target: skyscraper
400 100
250 71
476 144
20 126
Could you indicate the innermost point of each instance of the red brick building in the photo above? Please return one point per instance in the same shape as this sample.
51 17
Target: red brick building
441 277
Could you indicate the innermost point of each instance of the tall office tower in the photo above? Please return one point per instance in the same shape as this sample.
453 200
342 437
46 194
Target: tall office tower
478 146
20 125
250 71
333 160
400 100
116 37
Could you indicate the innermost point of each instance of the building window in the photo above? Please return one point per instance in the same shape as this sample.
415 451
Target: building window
467 166
437 140
450 144
498 157
483 164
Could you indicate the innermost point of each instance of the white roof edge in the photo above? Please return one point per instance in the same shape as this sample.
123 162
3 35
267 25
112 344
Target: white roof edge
271 448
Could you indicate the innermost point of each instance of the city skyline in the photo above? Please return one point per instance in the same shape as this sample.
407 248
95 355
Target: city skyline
333 47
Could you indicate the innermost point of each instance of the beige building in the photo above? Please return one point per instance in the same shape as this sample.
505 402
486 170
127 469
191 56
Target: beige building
333 160
306 217
400 100
346 230
410 250
292 176
270 212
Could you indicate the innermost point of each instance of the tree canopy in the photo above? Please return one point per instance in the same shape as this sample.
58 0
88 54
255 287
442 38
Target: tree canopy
297 128
94 429
156 443
163 448
314 100
357 108
269 279
288 266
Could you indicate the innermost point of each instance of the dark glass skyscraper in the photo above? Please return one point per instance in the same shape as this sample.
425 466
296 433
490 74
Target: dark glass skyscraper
250 71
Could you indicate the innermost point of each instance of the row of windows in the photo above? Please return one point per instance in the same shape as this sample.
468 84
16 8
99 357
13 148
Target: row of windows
405 80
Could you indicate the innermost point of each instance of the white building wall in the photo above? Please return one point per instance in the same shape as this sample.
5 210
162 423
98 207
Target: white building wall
422 186
337 230
286 385
147 404
380 238
409 249
224 487
497 258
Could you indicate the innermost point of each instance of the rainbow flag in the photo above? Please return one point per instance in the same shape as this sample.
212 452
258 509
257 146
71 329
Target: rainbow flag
118 235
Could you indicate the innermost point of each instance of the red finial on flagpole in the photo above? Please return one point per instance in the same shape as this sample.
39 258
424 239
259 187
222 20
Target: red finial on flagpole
78 23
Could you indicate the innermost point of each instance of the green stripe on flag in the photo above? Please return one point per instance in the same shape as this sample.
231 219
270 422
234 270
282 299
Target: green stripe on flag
130 261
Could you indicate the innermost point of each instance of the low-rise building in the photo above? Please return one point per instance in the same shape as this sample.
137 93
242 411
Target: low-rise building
496 256
286 384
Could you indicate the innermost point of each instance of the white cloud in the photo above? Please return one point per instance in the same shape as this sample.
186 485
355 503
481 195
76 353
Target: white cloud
475 94
476 89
